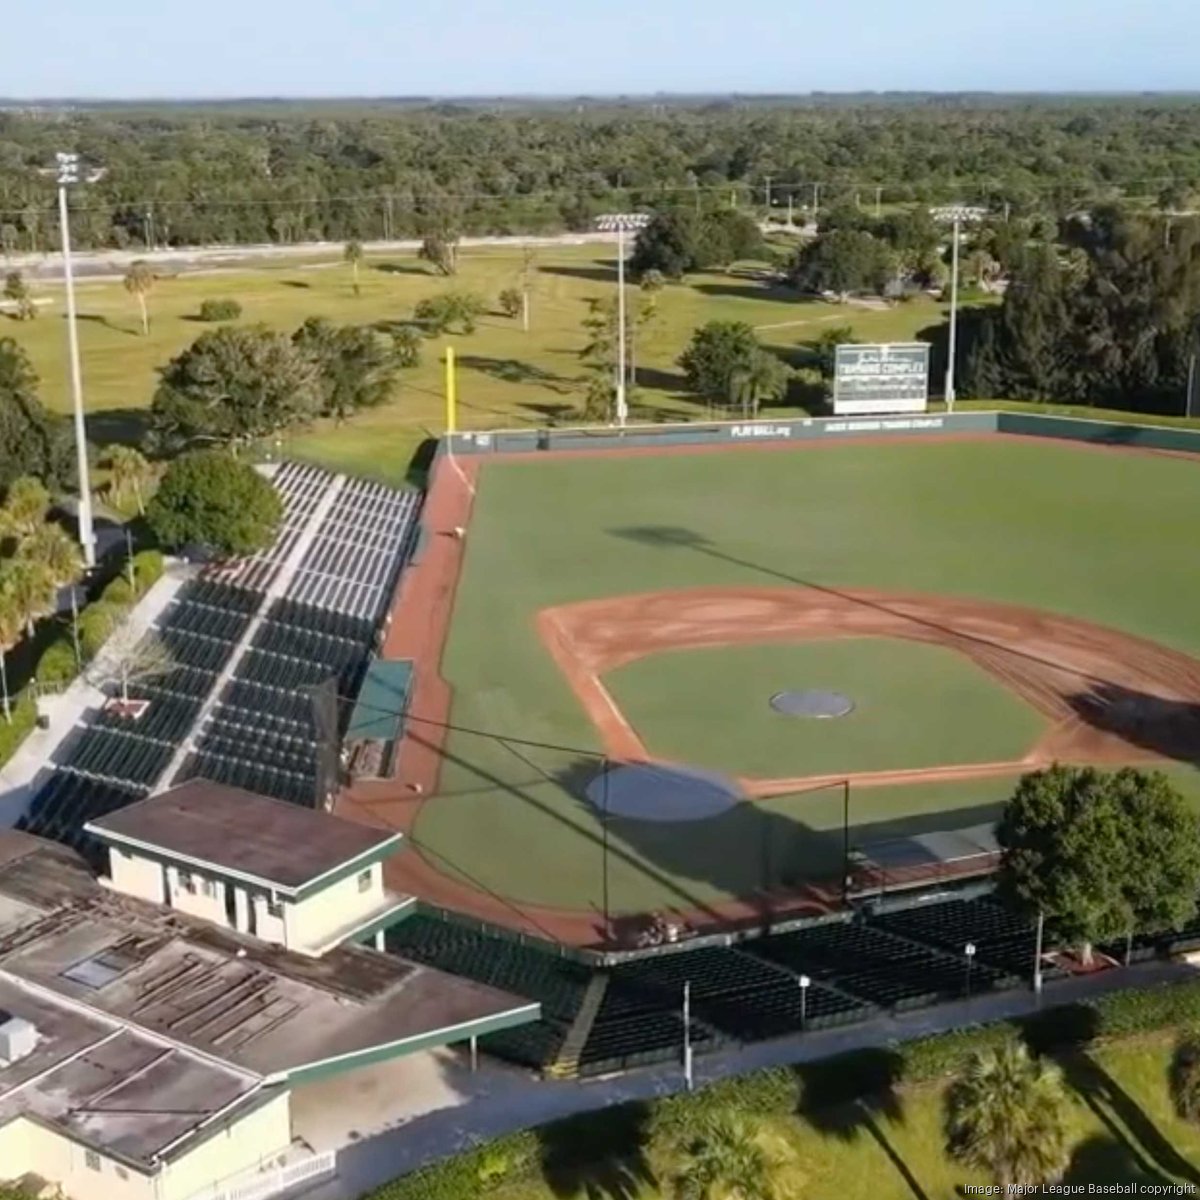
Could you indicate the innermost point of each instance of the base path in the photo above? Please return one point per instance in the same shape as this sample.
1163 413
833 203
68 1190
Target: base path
1110 697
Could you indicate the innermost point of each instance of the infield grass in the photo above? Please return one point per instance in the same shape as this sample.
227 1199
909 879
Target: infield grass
1101 535
915 705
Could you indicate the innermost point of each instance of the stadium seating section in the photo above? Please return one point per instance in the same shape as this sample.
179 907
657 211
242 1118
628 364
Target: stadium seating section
246 710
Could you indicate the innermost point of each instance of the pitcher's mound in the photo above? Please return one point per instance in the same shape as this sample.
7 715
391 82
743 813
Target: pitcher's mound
812 702
662 792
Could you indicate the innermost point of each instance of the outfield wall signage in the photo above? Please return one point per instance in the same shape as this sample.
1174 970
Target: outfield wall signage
881 379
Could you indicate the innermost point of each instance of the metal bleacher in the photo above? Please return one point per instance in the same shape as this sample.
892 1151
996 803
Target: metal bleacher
316 626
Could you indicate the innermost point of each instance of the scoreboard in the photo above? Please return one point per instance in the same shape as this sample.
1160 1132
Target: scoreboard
881 379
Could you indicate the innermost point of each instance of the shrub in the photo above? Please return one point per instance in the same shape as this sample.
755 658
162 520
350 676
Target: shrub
148 566
511 302
96 622
220 310
118 592
1185 1079
12 734
57 664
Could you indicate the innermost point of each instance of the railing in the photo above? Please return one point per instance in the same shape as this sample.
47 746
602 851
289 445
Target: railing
273 1181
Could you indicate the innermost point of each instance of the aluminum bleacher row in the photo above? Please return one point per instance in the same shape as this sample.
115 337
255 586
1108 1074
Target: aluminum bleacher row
259 733
872 963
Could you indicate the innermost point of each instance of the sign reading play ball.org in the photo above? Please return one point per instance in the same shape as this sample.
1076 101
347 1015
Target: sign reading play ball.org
881 379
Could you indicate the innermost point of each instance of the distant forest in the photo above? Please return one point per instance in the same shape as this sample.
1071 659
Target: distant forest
278 171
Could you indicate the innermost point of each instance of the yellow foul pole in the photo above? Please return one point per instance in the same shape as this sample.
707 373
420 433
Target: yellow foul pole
451 392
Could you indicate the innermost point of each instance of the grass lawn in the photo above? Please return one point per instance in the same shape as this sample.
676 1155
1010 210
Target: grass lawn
915 706
1122 1129
1040 524
507 378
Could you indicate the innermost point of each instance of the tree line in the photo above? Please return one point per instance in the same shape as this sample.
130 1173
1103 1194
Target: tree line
188 176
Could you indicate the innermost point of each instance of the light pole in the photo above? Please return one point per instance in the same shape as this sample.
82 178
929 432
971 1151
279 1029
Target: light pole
805 983
969 951
687 1034
68 174
621 223
1037 953
956 213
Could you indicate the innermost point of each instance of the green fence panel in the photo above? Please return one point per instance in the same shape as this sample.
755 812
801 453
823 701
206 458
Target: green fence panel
1103 433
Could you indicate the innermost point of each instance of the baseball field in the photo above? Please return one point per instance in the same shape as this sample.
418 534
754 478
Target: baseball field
985 605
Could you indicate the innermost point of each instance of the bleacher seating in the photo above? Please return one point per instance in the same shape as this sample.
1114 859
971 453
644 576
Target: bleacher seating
557 983
1002 939
880 967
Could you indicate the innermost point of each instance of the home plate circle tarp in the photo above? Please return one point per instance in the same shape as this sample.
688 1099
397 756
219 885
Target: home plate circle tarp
812 702
662 792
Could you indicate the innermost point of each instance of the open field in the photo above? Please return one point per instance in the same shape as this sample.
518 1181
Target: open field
507 377
1051 527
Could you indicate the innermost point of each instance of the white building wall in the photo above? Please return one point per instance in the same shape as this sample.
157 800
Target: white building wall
196 894
258 1139
312 922
136 876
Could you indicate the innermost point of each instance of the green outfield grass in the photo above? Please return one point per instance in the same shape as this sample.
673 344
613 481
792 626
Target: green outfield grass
915 706
1102 536
508 378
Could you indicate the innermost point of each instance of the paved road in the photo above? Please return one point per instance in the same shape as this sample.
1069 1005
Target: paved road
98 263
502 1102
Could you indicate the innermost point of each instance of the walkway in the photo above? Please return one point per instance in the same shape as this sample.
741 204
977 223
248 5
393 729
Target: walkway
497 1101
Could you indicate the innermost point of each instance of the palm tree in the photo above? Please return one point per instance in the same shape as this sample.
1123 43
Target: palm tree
729 1158
353 254
139 280
24 509
129 472
31 587
764 377
1006 1115
10 634
53 548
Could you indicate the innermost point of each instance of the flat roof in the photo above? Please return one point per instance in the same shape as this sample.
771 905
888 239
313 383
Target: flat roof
237 832
110 1086
258 1008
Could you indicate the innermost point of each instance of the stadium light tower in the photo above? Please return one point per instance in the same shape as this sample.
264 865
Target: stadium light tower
956 214
622 223
68 174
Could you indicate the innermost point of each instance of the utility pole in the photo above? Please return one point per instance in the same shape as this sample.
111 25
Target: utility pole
878 202
68 173
768 190
816 198
791 210
687 1034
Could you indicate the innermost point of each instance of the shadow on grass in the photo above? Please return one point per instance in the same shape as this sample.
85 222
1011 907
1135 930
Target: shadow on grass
749 291
1143 1144
852 1093
395 268
513 370
598 1156
100 319
125 426
295 283
605 272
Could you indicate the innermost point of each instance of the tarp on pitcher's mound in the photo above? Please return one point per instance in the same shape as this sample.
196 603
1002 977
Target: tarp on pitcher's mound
662 792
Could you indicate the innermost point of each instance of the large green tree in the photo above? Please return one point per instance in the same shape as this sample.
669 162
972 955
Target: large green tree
32 441
234 384
677 241
727 1156
356 366
1007 1116
212 499
725 364
844 261
1075 845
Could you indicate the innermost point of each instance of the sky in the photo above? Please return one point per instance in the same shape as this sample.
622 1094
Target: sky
223 48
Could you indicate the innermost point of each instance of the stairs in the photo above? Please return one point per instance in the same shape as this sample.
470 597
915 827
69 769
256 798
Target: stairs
566 1065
